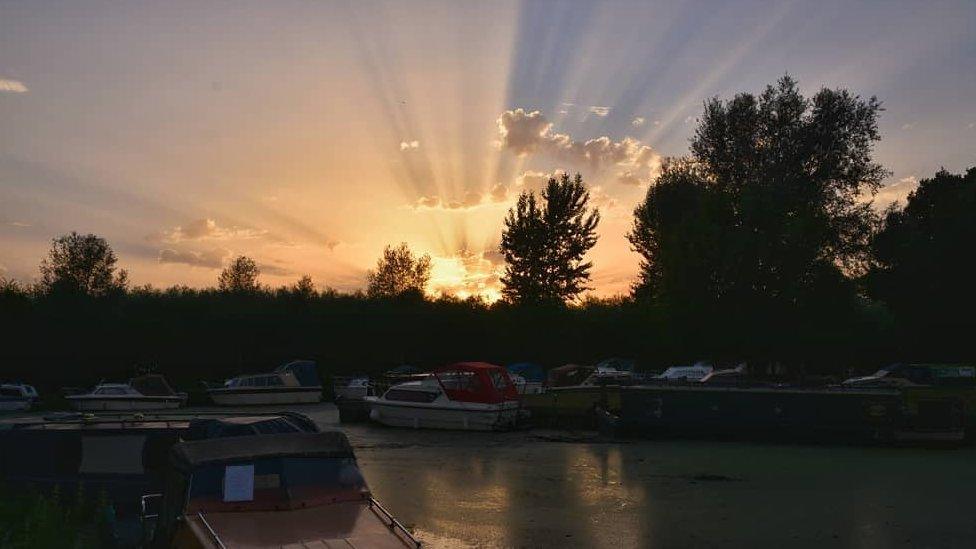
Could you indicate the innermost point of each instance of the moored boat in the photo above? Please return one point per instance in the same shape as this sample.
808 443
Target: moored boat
283 490
296 382
469 395
14 397
148 392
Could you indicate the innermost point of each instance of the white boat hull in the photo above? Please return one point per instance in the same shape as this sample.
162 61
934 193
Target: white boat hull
84 403
15 405
256 397
462 416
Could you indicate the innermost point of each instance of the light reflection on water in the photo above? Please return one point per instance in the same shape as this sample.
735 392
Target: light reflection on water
523 490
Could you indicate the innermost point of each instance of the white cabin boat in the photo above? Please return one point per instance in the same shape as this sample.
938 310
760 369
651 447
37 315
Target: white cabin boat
16 397
293 383
470 396
124 396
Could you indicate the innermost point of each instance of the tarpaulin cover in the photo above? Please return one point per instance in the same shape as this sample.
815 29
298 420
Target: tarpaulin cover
476 382
305 371
529 370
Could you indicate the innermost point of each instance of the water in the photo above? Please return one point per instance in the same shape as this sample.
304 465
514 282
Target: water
553 489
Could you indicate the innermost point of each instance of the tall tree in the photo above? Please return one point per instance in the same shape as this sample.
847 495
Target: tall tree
544 245
767 213
924 254
398 273
241 276
304 288
83 264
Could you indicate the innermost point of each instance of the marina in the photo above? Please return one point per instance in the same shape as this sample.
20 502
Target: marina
535 487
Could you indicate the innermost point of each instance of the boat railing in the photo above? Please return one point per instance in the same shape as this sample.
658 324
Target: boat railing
391 522
213 534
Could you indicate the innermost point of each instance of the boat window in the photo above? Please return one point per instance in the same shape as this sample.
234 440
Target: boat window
406 395
274 381
498 380
460 381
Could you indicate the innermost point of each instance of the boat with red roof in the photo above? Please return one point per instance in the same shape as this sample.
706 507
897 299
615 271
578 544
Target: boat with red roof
474 396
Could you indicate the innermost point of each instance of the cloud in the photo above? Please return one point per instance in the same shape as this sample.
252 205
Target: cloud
971 125
600 111
637 122
688 120
908 126
471 199
409 145
526 133
206 229
12 86
211 259
274 270
18 224
895 192
535 181
468 273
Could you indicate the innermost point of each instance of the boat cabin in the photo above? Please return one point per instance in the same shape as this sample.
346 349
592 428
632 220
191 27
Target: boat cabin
270 491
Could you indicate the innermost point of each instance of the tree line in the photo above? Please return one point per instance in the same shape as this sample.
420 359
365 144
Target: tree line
761 244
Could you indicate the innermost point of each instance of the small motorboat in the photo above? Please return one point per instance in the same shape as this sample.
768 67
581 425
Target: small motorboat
469 395
148 392
15 397
294 383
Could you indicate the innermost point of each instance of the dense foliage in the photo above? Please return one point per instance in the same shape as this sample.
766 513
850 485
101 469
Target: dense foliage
398 273
765 221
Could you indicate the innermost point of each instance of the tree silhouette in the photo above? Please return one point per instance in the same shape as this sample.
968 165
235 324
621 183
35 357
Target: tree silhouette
398 273
767 213
304 288
924 254
81 264
241 276
544 245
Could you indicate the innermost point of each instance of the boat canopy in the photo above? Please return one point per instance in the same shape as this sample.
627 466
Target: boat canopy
152 385
618 364
528 370
476 382
188 456
569 374
305 371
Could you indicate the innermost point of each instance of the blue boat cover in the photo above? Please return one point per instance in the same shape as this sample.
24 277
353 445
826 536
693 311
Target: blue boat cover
529 370
306 372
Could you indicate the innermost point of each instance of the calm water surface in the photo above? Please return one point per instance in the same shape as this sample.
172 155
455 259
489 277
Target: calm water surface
553 489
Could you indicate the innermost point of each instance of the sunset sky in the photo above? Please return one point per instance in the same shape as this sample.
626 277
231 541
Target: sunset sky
308 135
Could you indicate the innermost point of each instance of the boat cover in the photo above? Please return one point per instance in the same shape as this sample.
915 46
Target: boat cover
569 374
476 382
619 364
305 371
187 456
205 428
152 385
528 370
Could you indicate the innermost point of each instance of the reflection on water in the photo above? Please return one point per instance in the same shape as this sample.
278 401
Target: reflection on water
524 490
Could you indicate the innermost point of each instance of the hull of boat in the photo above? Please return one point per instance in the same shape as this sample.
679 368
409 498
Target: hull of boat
123 403
784 413
472 417
257 397
15 405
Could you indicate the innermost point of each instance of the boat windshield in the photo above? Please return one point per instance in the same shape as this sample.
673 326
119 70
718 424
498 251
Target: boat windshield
277 482
255 381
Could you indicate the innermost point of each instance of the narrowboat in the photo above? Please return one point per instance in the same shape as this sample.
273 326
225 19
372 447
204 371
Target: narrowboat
285 490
